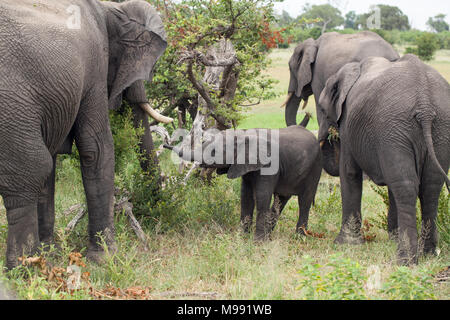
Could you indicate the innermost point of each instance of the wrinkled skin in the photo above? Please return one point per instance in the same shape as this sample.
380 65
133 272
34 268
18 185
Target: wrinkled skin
314 61
57 84
300 166
394 124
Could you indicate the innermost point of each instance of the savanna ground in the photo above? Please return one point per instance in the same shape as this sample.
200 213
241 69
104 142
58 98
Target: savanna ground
196 249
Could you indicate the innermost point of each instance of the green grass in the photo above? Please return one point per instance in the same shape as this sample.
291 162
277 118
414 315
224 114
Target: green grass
195 244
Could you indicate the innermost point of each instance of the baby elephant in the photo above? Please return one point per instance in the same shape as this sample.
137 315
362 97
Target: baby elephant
282 163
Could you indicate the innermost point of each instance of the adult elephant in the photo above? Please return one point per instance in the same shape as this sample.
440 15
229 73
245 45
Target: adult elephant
314 61
64 64
393 120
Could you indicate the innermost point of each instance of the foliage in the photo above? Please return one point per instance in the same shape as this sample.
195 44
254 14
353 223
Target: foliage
406 284
427 44
339 279
194 205
143 186
443 218
198 24
438 23
330 17
444 40
350 20
386 35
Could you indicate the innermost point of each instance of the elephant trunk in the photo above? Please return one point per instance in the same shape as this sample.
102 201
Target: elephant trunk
154 114
290 113
330 154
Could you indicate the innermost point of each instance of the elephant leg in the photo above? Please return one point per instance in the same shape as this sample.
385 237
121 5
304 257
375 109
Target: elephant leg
392 218
46 209
95 145
351 192
405 194
279 202
429 201
247 204
306 198
23 234
20 194
263 195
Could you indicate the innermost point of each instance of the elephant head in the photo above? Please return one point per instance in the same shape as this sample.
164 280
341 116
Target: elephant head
301 69
136 41
234 153
332 105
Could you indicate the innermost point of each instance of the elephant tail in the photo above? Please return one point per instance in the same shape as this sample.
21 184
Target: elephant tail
426 120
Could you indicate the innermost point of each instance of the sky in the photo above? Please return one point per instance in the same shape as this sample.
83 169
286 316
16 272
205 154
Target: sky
418 11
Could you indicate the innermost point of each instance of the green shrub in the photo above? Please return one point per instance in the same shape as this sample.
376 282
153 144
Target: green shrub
443 218
143 186
444 40
411 50
196 204
427 44
406 284
339 279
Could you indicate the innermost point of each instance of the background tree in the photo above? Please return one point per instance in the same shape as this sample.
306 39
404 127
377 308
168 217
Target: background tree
330 17
438 23
285 19
350 20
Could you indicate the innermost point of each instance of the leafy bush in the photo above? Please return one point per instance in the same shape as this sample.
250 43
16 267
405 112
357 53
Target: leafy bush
406 284
143 186
427 44
196 204
443 218
339 279
444 40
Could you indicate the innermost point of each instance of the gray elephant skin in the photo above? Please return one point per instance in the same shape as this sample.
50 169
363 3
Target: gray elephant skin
298 173
314 61
393 120
56 82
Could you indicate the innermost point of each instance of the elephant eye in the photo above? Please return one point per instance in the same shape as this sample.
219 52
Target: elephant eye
334 89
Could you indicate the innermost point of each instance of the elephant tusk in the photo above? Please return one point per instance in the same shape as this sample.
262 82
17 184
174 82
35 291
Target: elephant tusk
154 114
322 143
305 103
287 100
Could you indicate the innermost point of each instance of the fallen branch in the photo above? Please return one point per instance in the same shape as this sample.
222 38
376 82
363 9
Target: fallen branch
81 213
123 205
127 207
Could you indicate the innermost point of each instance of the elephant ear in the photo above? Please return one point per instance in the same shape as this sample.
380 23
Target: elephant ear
301 66
336 90
136 41
251 162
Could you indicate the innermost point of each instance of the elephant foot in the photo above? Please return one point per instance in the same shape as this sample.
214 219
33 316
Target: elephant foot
430 250
23 239
98 255
404 259
261 236
349 238
301 231
393 235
